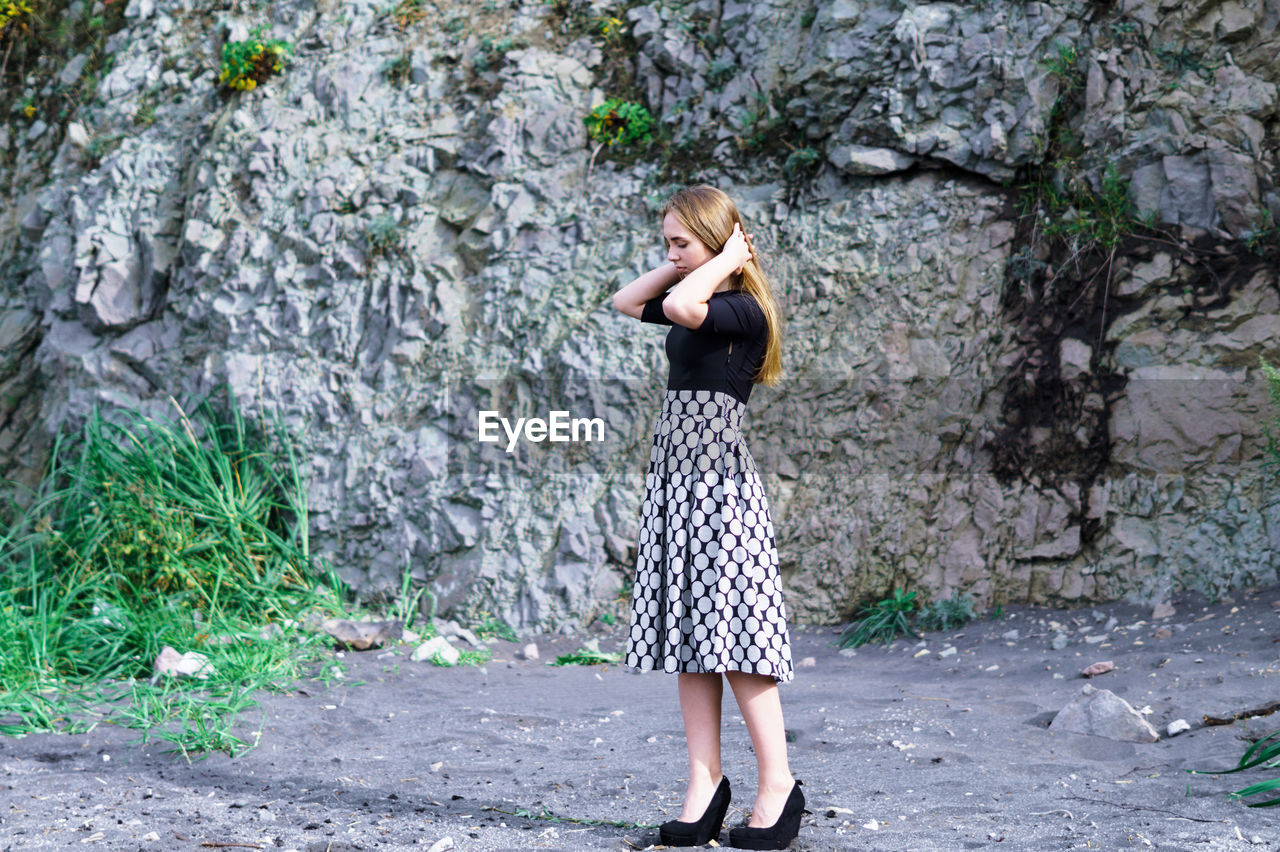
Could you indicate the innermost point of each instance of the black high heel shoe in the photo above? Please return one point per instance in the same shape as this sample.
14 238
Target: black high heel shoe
677 833
777 836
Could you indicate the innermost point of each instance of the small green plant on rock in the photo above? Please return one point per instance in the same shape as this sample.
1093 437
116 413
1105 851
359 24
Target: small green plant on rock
802 161
882 622
618 123
397 70
407 12
720 71
1102 216
611 28
384 234
1063 65
758 128
249 63
492 51
1264 237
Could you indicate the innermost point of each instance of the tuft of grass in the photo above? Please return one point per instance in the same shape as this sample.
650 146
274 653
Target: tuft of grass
474 658
882 622
1264 754
145 533
408 12
1064 65
802 161
946 614
397 69
492 52
588 657
489 626
384 234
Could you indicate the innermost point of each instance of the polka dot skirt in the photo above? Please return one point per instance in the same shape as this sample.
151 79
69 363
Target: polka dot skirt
707 597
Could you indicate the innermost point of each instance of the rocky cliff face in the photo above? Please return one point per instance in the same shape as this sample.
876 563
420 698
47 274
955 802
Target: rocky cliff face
1026 251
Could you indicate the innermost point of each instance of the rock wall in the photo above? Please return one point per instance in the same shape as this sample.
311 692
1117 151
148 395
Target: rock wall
410 224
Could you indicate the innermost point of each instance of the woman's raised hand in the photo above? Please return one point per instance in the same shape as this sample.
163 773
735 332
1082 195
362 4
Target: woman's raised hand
738 247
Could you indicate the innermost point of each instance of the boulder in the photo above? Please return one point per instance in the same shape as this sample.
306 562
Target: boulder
1102 713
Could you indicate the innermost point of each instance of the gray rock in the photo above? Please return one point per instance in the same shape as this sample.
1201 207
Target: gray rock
1176 727
71 72
861 160
362 635
448 629
1187 195
139 10
1075 357
1237 21
1102 713
437 648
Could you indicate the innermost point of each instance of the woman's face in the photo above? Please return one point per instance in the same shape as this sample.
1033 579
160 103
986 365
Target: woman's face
685 250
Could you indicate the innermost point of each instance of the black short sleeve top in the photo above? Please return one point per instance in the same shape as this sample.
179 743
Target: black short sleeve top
722 354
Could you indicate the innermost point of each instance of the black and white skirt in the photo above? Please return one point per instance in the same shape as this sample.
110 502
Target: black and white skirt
707 597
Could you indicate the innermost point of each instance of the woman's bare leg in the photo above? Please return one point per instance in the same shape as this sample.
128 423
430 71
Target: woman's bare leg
700 698
761 708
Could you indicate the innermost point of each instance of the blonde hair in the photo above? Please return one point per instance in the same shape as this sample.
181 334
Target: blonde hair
709 214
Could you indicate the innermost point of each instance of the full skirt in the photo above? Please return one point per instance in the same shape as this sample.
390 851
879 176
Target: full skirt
707 597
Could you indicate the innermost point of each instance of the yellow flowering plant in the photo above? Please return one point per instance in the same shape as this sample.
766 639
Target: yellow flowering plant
13 10
248 63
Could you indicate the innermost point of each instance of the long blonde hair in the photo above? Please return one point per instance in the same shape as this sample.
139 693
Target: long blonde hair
709 214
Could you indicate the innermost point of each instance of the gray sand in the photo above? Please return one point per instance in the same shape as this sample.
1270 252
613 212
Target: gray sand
897 750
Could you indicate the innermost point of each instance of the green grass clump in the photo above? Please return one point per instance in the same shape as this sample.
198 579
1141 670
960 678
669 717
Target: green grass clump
492 52
249 63
619 123
407 12
881 622
489 625
1264 754
384 234
947 614
1064 66
147 533
588 657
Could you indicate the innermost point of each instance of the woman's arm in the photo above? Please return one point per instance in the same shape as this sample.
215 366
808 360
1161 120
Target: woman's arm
686 304
631 298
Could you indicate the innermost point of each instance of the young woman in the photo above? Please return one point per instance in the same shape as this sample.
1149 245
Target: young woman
707 601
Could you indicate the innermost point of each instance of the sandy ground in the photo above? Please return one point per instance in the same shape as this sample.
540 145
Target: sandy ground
898 750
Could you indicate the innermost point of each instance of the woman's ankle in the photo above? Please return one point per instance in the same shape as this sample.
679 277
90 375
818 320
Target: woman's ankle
777 785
